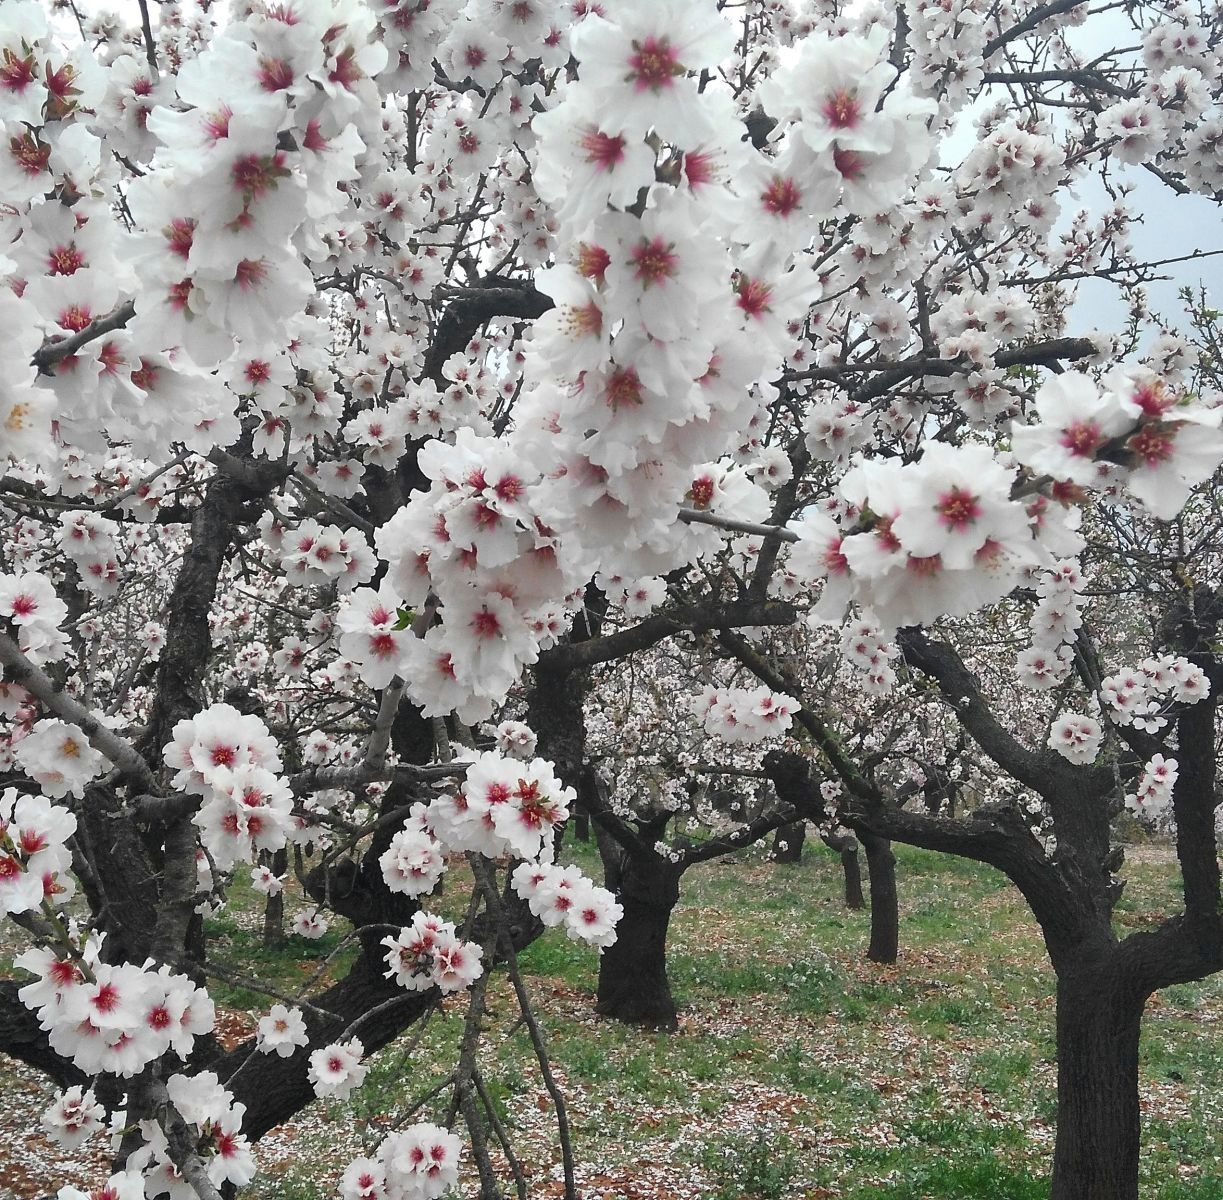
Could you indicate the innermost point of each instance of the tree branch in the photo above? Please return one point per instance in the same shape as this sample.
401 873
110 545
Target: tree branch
1030 22
54 349
39 684
752 832
662 625
1045 771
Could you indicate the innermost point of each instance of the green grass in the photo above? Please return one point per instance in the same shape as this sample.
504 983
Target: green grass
1000 1071
974 1179
758 1168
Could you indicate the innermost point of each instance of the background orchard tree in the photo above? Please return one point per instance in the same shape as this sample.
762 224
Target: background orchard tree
668 793
348 345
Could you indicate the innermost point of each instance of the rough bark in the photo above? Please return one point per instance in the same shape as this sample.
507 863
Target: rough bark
885 919
24 1039
788 843
1099 1013
633 983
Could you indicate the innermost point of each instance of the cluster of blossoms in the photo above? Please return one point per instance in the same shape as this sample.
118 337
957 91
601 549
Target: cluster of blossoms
976 324
744 714
668 319
217 738
247 810
918 540
417 1163
374 634
267 125
1055 623
859 138
73 1118
310 924
1174 100
504 806
231 760
34 855
215 1119
1131 432
564 896
337 1069
29 603
1011 159
266 881
415 860
1153 800
44 245
1076 737
638 598
476 542
314 554
90 541
913 541
70 264
113 1017
515 739
868 650
429 953
1142 697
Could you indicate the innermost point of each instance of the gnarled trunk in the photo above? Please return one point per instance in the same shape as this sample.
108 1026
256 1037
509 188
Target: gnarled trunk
633 984
1099 1014
885 919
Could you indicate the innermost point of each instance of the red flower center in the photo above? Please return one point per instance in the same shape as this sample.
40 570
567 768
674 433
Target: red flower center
841 109
623 388
653 260
782 196
957 509
603 151
1081 438
654 64
1151 444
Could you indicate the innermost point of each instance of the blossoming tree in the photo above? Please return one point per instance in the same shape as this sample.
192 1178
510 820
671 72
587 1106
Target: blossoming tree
349 343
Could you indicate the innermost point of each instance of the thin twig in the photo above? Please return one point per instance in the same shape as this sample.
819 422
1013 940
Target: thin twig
497 912
502 1135
51 351
150 46
692 516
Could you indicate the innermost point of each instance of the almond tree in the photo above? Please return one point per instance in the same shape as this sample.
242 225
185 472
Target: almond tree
347 344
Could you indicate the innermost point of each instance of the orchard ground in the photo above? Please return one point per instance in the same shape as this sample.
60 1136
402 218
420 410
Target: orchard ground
799 1071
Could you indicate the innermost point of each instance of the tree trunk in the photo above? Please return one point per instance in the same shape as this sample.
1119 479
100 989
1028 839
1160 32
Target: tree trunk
633 984
788 842
847 847
1098 1021
274 909
885 920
